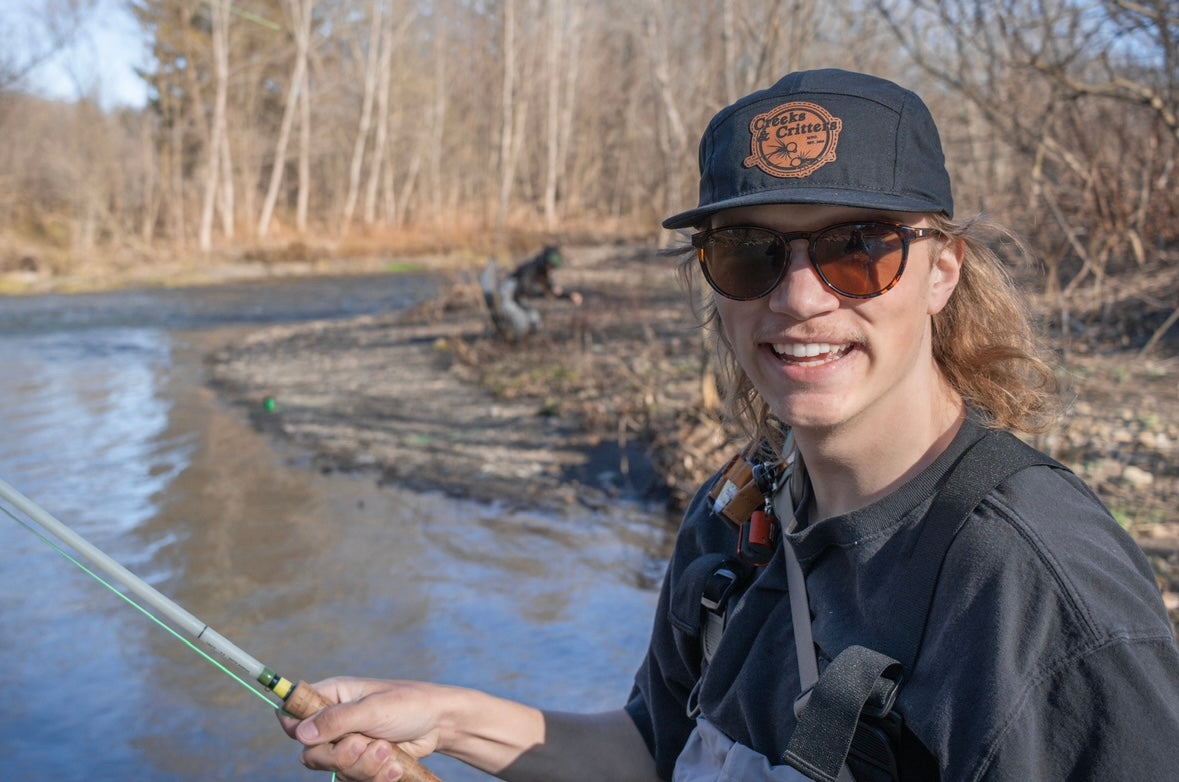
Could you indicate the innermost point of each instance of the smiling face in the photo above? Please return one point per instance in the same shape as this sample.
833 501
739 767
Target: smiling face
825 362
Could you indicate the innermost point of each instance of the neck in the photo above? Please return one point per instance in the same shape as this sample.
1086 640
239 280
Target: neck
855 465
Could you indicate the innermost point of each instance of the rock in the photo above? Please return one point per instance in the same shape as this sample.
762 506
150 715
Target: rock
1137 477
1103 468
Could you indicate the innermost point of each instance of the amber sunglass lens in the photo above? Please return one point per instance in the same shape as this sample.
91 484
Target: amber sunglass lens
743 263
859 260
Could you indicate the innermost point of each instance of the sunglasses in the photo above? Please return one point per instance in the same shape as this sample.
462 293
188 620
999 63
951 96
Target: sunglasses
859 260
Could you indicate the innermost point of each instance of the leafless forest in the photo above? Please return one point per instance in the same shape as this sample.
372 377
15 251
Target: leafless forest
410 125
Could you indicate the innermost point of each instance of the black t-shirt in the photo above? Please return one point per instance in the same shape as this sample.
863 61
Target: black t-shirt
1048 653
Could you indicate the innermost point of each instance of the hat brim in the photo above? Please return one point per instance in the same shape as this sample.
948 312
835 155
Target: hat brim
889 202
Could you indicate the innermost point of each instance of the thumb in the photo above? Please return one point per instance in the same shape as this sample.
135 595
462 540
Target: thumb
330 695
307 732
330 724
350 709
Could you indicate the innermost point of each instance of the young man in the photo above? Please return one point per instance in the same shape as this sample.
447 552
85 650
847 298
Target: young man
892 598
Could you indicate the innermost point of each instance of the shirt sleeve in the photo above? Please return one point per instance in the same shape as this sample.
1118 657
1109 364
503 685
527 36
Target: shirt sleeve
1112 713
659 700
1054 653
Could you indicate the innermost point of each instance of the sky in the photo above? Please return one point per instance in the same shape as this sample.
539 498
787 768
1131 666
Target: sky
99 61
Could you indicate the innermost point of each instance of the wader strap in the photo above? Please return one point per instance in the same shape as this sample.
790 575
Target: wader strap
734 497
800 610
860 682
992 459
714 605
701 607
854 682
831 756
702 596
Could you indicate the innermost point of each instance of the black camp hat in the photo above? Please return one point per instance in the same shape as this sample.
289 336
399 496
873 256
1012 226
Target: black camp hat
823 137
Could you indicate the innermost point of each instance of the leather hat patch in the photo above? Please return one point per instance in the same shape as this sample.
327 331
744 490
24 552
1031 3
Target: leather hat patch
793 140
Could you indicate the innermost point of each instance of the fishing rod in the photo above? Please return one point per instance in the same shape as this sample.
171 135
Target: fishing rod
298 698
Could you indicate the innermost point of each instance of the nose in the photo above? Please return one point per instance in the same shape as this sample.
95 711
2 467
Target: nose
802 294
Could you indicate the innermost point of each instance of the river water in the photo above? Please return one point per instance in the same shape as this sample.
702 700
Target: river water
108 424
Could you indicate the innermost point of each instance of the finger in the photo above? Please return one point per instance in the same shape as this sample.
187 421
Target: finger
355 759
340 756
288 723
377 762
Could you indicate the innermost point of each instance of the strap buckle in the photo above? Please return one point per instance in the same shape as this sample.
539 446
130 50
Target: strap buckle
714 600
717 590
859 683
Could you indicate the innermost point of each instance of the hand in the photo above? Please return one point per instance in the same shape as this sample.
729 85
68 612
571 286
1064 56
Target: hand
354 737
353 760
575 297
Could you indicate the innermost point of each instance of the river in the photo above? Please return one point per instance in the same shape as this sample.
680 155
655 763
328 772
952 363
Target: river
109 424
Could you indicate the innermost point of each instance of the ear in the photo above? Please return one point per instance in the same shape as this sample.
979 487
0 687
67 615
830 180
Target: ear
944 275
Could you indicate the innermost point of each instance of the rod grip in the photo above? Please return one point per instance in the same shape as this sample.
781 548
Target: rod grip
305 701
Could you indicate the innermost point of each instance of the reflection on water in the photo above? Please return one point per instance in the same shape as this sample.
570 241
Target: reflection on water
110 427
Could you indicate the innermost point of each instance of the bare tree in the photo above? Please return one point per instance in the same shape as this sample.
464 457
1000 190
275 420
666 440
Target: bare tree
555 54
304 194
1063 116
508 127
438 113
372 61
31 34
674 141
381 168
218 168
300 15
1057 86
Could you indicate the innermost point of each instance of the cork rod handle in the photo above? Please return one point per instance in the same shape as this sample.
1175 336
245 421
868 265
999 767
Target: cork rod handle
305 701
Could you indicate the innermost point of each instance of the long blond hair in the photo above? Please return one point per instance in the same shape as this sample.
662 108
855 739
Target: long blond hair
983 342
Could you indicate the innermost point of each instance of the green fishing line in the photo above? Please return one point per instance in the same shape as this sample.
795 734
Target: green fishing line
53 545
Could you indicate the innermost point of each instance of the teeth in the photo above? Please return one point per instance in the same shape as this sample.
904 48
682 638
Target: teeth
799 350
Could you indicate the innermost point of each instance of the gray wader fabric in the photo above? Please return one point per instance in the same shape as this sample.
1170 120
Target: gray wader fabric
523 319
711 756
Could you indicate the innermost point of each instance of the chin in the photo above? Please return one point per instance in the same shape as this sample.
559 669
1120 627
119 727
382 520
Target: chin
811 413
